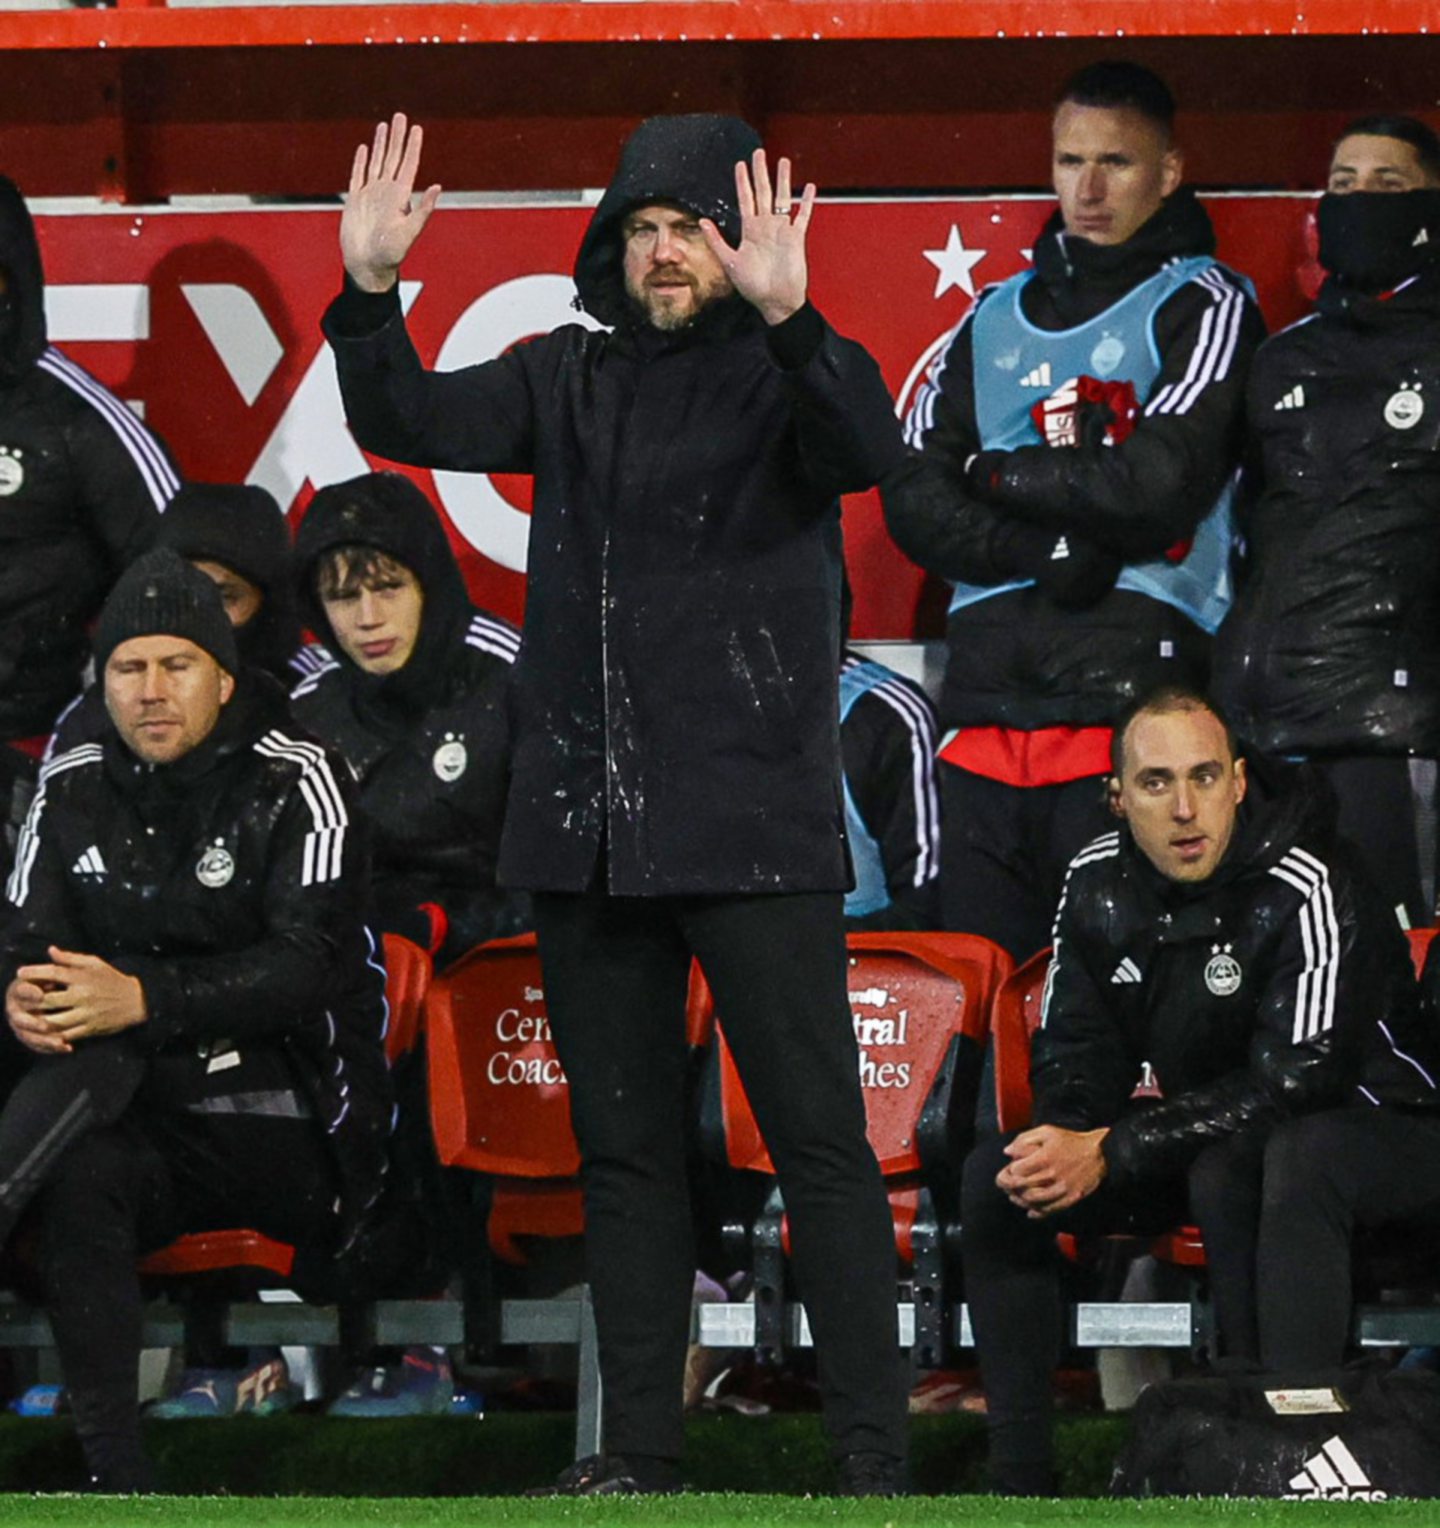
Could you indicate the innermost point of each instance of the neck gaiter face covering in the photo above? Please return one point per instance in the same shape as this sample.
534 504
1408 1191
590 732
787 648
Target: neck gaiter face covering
1373 240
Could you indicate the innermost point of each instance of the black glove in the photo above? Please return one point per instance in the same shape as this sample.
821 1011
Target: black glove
1070 571
1078 573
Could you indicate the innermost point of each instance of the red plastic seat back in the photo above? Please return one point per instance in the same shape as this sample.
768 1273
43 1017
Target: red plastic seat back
499 1099
1420 945
213 1251
408 974
1016 1017
909 995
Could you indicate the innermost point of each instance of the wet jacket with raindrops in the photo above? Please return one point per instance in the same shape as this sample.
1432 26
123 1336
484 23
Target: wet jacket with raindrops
234 885
676 686
82 484
1279 986
1333 645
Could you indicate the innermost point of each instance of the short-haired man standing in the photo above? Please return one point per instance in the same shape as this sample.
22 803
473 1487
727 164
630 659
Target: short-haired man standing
1332 651
1221 944
187 958
1077 436
676 780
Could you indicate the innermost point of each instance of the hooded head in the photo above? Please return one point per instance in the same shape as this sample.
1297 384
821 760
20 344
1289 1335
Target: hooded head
240 528
22 304
383 512
687 162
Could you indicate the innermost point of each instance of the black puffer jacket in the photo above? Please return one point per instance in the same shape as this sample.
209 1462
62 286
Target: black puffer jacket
1334 642
82 483
233 883
1072 649
1280 986
430 744
677 680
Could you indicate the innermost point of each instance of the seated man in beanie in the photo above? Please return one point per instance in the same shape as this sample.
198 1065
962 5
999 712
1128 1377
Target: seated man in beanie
237 535
188 959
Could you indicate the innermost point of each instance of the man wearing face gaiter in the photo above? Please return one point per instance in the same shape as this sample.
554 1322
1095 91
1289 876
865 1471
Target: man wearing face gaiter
1332 650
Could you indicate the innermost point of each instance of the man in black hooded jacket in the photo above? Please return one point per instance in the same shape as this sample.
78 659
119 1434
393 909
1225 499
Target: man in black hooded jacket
1077 438
189 961
676 783
82 482
1223 948
1332 651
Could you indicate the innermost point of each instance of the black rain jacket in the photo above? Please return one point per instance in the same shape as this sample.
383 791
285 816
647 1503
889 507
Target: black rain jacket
1280 986
677 679
1333 645
82 483
1075 656
234 884
429 744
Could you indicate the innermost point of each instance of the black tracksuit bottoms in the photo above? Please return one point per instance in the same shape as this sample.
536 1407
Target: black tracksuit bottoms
616 973
114 1177
1277 1208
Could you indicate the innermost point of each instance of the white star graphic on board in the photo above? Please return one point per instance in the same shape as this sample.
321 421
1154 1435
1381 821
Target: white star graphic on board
955 263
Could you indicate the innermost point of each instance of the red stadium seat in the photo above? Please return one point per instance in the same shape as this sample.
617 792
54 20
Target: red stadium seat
499 1099
920 1004
407 980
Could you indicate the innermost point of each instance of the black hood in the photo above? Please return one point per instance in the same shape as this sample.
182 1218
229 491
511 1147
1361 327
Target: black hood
1082 278
688 160
22 309
242 528
387 511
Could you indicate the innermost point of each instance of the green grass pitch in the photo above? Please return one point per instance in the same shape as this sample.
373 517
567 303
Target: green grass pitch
699 1511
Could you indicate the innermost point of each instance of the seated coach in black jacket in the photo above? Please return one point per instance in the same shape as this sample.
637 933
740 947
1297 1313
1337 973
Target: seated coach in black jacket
189 961
1222 945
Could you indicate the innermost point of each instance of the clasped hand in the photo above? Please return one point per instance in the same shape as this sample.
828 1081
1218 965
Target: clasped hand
1050 1169
72 997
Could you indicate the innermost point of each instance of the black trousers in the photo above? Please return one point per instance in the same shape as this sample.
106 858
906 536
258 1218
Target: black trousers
1387 811
1277 1209
112 1180
1004 850
616 972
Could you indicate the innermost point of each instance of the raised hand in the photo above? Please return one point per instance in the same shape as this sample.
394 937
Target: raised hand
768 269
381 220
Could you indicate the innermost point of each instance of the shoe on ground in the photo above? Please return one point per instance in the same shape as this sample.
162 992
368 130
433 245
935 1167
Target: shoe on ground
868 1474
41 1401
614 1475
422 1384
262 1389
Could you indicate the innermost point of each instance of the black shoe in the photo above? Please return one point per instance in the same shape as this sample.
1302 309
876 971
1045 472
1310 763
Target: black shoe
614 1475
867 1474
1021 1480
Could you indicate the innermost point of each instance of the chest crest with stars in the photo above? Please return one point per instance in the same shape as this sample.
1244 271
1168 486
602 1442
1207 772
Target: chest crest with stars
1222 971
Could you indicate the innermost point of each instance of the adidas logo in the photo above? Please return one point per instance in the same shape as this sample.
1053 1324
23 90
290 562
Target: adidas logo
1040 377
89 863
1420 238
1126 971
1062 550
1334 1474
1294 399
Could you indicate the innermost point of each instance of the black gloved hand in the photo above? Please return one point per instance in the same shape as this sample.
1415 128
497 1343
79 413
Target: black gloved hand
1078 573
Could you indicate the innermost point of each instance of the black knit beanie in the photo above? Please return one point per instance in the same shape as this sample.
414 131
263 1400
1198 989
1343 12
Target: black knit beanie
160 594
